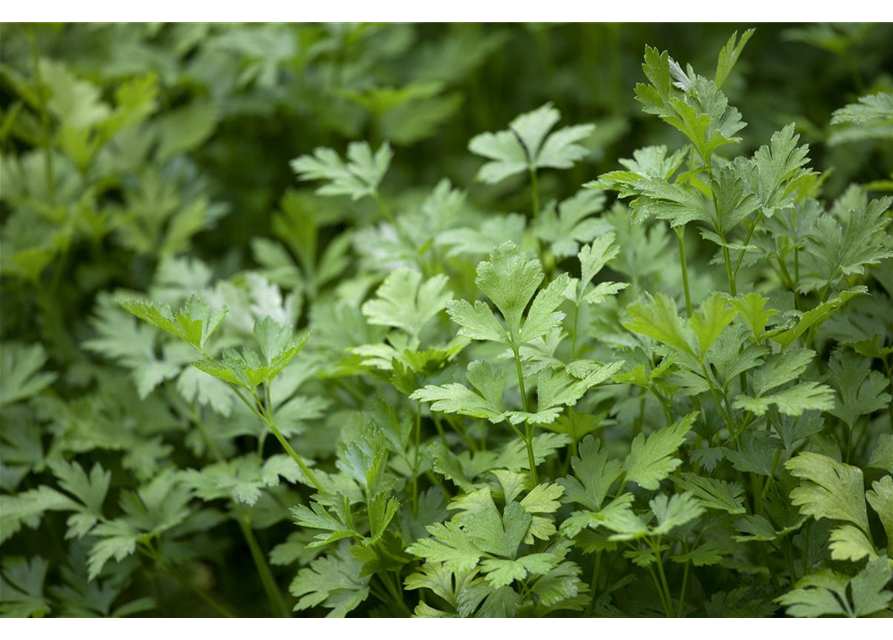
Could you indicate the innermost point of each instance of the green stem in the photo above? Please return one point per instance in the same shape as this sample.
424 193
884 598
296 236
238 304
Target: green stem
268 420
534 192
663 578
416 459
682 589
260 562
680 234
731 276
528 438
594 586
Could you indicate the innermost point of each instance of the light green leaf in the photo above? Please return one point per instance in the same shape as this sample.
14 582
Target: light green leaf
357 178
594 474
674 512
828 489
709 321
659 319
649 460
404 302
528 145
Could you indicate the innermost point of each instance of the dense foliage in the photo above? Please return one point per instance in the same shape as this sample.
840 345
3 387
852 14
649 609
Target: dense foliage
308 320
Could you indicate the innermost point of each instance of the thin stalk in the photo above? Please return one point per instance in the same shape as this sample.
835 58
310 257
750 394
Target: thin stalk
733 289
594 587
528 438
263 569
663 578
660 592
682 589
416 459
680 234
574 337
534 192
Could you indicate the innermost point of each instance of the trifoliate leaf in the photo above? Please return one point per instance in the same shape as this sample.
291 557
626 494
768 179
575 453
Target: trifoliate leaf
752 309
827 593
193 324
659 319
357 178
565 226
862 391
528 145
649 460
404 302
857 239
709 321
593 475
332 582
674 511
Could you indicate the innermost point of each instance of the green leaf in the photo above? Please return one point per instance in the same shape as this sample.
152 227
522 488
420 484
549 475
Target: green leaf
775 170
752 309
510 280
333 582
674 512
564 227
848 543
729 55
828 489
527 145
793 401
817 316
861 389
649 460
448 544
869 109
593 475
357 178
659 319
557 389
880 497
781 368
403 302
882 456
117 539
28 507
827 593
193 324
846 246
709 321
20 375
485 402
712 493
21 588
